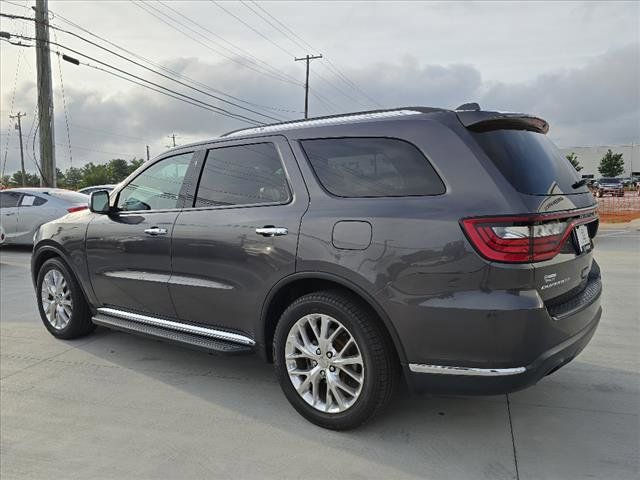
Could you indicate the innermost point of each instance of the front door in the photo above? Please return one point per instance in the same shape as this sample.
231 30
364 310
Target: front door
129 251
240 237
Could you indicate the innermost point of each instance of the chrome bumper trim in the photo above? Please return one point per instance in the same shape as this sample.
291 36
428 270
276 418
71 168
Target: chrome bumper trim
468 371
178 326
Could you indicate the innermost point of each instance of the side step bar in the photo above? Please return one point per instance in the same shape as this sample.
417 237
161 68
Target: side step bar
192 336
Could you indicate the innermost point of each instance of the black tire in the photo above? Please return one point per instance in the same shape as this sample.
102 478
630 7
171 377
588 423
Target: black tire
80 323
380 362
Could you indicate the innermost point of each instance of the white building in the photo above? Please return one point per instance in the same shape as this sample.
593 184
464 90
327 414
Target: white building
589 158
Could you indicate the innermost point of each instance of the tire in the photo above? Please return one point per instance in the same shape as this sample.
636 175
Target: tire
63 325
378 372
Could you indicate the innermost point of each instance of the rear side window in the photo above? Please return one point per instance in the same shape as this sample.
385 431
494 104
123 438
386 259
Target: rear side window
372 167
32 201
242 175
530 162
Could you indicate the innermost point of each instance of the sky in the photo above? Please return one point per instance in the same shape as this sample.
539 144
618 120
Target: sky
575 64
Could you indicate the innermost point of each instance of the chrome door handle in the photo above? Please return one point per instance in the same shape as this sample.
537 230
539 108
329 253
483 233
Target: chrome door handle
154 231
272 231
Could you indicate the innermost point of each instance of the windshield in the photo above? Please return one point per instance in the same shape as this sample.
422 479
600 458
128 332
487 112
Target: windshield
530 162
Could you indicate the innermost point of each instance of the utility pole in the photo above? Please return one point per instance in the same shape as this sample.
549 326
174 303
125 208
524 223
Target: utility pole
147 153
172 137
307 59
45 95
18 116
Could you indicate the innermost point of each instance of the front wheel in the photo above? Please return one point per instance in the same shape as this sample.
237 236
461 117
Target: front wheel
334 360
63 308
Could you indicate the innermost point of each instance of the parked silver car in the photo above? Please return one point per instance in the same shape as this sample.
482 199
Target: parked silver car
23 210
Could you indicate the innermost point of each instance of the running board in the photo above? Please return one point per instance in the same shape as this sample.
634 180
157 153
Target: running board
191 336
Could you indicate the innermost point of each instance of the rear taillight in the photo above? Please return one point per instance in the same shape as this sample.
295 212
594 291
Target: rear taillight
77 208
523 238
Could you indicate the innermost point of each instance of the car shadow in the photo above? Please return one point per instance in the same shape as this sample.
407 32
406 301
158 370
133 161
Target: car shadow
410 436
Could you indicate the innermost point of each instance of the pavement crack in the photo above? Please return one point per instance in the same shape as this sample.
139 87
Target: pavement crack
513 438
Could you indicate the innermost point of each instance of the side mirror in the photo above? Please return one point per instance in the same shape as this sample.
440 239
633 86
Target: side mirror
99 202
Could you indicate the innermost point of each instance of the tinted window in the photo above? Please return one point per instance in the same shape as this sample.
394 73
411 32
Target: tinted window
372 167
242 175
32 201
9 199
609 180
530 162
157 187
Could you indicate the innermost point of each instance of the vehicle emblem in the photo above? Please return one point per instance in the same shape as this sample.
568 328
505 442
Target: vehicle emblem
550 277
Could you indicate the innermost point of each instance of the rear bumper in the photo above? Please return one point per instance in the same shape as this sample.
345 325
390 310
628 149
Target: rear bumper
494 381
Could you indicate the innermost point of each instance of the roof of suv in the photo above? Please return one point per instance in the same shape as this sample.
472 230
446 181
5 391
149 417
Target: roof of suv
470 116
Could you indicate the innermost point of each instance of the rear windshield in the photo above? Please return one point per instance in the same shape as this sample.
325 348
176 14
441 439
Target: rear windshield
530 162
372 167
71 197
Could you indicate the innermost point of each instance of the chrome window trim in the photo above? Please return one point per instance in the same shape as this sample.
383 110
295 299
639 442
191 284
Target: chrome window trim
178 326
467 371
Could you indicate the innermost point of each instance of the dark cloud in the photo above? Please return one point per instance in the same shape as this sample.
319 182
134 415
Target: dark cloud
598 103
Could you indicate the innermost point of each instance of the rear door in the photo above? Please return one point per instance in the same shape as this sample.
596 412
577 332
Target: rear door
33 211
129 251
240 236
9 202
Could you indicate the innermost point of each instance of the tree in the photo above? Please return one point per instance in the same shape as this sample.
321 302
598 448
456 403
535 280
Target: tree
31 179
73 178
573 159
611 165
118 170
135 163
93 174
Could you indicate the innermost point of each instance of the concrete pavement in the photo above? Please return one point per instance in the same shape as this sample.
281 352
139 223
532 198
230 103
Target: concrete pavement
113 405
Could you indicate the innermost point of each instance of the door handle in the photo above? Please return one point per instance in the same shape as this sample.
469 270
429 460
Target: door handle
155 231
272 231
9 214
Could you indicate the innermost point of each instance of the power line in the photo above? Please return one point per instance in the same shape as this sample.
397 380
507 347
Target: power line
298 40
146 68
253 29
166 69
250 56
152 11
217 109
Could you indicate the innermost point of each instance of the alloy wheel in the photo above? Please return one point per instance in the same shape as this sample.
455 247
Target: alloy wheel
324 363
56 299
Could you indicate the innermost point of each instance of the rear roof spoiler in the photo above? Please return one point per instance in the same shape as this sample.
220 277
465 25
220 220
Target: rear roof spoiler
481 121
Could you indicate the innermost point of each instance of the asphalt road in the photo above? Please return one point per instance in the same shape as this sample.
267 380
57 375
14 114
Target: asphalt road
117 406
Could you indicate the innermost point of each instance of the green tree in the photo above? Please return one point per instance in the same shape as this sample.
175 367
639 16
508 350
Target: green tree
118 170
93 174
611 165
573 159
135 163
5 181
73 178
31 179
60 179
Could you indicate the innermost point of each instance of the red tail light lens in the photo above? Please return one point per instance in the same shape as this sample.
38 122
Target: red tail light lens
77 208
525 238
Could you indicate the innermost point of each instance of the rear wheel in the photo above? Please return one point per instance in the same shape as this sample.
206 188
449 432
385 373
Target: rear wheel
334 361
63 308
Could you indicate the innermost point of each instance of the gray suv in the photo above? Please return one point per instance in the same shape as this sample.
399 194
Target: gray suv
448 249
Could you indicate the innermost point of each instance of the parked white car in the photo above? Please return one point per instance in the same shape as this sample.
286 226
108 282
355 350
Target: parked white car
23 210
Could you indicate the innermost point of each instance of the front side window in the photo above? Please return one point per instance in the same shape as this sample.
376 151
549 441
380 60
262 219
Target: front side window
242 175
157 187
372 167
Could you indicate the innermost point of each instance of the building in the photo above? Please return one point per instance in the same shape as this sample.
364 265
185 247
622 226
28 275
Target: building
589 158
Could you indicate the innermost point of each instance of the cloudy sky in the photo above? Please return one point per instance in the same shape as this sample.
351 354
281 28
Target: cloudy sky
575 64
